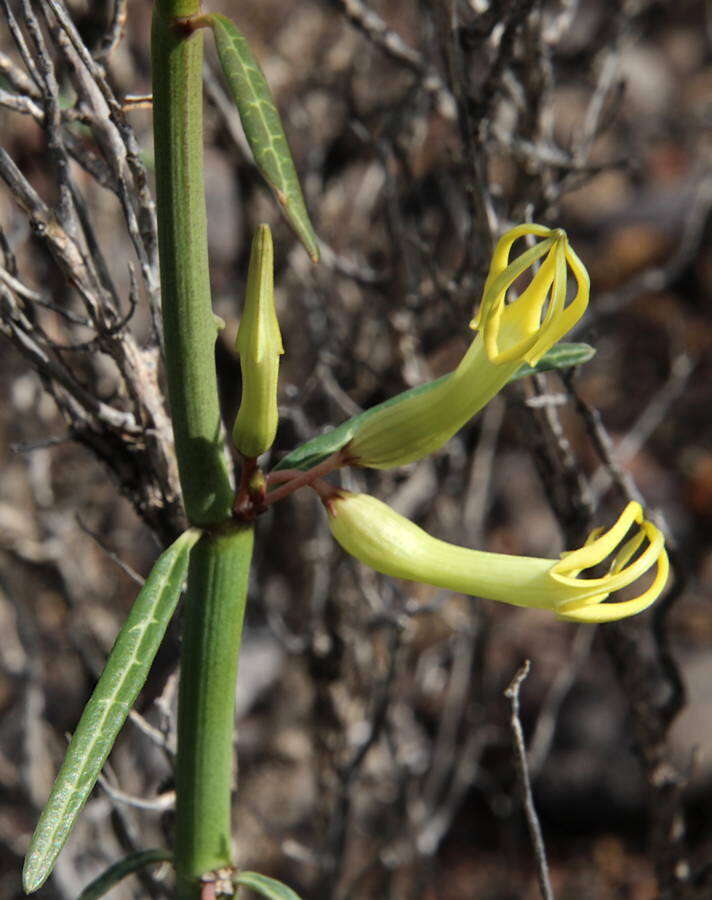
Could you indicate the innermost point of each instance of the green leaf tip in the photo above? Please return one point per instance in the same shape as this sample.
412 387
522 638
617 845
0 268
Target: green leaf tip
561 356
122 869
266 887
263 126
123 677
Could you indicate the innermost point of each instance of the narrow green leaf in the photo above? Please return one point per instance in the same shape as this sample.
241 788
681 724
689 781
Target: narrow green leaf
266 887
123 677
122 869
317 449
263 126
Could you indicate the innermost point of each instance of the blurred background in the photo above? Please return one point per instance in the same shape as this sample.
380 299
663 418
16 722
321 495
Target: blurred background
373 733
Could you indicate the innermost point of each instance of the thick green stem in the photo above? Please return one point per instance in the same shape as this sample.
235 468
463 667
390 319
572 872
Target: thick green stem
219 564
190 327
215 604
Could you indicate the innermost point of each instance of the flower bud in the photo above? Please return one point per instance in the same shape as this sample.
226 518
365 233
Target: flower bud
259 344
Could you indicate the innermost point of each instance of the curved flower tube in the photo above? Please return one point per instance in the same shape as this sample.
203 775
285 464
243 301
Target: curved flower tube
393 545
508 336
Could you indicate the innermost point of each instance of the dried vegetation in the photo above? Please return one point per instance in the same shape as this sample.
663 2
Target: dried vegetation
374 738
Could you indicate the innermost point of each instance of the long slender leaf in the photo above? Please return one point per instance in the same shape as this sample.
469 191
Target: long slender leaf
263 126
310 454
122 869
123 677
266 887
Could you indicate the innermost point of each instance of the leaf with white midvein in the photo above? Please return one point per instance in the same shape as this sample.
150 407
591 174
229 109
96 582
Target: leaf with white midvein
265 887
123 677
263 126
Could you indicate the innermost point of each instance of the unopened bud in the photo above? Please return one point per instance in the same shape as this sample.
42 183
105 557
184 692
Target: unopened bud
259 344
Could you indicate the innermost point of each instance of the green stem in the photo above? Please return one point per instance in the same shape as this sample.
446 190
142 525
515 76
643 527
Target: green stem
190 327
219 563
215 604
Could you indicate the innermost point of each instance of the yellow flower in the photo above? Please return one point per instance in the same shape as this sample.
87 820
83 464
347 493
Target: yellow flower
393 545
259 344
508 336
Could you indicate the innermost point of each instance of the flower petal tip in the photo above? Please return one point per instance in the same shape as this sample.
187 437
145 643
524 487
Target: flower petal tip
587 599
531 324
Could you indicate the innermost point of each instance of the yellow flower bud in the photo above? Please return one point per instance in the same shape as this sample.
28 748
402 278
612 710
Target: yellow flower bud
508 336
259 344
393 545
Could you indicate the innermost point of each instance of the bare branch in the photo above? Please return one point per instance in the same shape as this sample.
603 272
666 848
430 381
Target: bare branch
16 77
146 213
23 49
114 557
614 458
545 728
390 42
114 32
154 804
520 752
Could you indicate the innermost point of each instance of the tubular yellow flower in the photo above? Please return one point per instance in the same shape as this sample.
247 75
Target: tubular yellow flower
508 336
393 545
259 344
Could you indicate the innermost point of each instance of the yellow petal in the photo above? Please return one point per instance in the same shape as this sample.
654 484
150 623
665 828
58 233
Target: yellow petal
612 612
